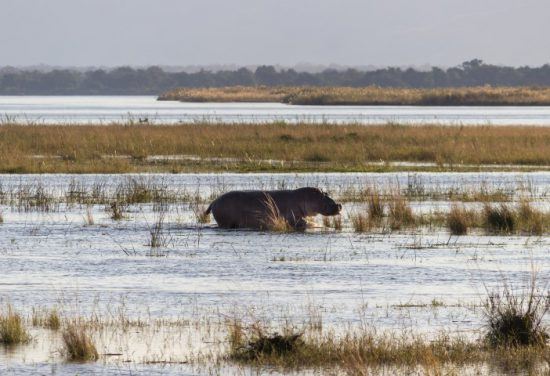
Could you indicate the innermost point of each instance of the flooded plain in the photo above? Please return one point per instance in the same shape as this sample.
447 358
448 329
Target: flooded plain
163 309
146 109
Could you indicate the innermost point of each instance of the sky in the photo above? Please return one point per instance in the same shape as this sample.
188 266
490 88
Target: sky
285 32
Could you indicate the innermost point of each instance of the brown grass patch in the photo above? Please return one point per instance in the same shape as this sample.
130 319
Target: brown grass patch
12 328
369 95
261 147
78 343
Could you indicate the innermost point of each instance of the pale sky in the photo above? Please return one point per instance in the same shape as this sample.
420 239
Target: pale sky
287 32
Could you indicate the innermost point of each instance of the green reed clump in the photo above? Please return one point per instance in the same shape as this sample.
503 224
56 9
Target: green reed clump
12 328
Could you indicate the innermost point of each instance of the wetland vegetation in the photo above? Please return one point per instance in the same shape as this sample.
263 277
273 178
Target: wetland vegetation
277 147
367 96
151 225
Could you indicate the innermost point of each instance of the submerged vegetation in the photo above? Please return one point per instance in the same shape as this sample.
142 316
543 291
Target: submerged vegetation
369 95
276 147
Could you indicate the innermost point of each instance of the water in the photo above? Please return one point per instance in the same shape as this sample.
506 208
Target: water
122 109
384 280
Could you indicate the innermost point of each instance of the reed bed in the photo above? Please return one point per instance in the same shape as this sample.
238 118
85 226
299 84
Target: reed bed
35 197
494 219
269 147
229 94
366 351
369 95
284 345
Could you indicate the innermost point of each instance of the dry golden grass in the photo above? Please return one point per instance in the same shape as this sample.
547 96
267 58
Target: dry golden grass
400 213
370 95
273 147
78 344
275 221
458 220
363 352
334 222
361 222
229 94
12 328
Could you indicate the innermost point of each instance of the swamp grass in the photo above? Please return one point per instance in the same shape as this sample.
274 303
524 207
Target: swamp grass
369 95
12 327
78 344
514 339
275 147
364 351
493 218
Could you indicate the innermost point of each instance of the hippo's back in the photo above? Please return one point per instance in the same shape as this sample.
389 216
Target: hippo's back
239 209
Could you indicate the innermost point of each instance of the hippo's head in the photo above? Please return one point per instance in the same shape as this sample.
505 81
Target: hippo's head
319 202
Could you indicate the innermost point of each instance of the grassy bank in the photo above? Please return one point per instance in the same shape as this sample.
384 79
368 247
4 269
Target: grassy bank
370 95
273 147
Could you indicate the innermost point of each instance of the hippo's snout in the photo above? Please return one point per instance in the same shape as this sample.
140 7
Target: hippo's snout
334 209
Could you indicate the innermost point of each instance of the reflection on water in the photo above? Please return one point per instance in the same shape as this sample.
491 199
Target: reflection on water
146 109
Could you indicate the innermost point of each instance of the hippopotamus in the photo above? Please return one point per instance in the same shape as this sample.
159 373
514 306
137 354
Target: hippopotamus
255 209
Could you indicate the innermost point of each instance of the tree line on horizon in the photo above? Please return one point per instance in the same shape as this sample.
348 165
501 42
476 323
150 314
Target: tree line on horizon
154 80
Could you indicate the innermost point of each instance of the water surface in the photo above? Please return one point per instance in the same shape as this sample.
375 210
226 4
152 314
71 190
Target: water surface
123 109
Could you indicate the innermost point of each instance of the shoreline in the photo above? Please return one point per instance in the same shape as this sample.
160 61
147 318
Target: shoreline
365 96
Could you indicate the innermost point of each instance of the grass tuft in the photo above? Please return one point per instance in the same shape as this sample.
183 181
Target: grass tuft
117 211
400 213
458 221
12 329
499 219
514 317
531 220
375 207
53 321
360 222
274 220
78 344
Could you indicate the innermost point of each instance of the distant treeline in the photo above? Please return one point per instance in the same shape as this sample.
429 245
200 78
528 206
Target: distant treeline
154 80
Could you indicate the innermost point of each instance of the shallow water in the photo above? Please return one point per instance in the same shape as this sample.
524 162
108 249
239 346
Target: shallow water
385 281
123 109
